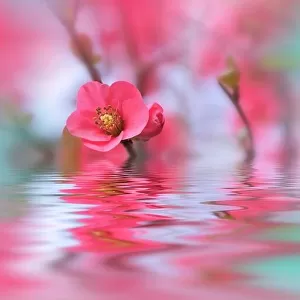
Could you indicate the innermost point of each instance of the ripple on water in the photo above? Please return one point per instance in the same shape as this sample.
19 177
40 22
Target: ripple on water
179 231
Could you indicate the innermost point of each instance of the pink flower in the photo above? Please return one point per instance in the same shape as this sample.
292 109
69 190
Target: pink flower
106 115
155 123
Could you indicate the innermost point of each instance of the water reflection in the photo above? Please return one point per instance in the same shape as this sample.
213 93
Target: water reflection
153 228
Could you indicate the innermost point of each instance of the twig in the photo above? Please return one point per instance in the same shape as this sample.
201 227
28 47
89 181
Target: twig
70 28
95 75
234 98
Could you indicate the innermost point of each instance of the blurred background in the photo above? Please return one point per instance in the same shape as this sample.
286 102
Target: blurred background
175 52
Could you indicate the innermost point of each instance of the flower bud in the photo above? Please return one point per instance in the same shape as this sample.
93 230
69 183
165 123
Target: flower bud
155 123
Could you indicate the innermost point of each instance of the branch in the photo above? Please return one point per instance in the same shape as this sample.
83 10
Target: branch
234 98
70 28
95 75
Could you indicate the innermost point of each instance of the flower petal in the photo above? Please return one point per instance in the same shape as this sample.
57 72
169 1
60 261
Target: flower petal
120 91
135 115
104 146
85 128
92 95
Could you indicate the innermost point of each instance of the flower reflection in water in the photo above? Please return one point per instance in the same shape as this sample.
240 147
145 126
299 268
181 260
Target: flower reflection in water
10 276
125 229
158 227
122 206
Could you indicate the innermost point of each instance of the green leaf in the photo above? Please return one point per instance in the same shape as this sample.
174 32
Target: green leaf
231 78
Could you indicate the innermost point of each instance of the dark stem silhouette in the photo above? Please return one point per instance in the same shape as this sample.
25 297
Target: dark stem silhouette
234 98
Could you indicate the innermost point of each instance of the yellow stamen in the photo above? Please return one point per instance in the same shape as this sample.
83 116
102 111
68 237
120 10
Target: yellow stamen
109 120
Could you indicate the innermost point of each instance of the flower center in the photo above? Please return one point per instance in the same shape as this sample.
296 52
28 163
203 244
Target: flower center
109 120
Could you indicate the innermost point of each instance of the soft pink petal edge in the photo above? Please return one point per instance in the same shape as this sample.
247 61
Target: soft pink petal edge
120 91
85 128
135 115
91 95
104 146
155 105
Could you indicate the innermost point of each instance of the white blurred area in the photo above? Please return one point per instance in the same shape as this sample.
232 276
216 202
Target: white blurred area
52 98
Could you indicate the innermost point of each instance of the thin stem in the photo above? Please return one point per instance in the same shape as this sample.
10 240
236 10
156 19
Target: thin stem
234 98
70 28
95 75
128 144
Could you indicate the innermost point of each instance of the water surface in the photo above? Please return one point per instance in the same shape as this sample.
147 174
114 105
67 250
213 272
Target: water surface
172 230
